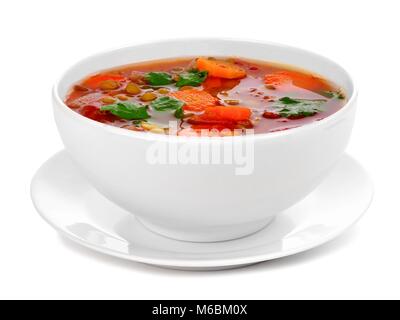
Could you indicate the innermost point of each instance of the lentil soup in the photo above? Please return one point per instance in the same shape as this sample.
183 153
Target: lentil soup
224 96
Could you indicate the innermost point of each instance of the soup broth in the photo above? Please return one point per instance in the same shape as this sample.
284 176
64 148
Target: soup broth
206 95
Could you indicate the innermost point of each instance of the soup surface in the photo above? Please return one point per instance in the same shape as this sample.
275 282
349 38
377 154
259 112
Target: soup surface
205 96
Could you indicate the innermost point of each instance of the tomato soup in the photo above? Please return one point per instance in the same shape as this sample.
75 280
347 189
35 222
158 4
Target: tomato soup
206 95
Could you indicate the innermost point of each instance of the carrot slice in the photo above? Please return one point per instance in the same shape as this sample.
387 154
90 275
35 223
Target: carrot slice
232 113
277 79
221 117
212 83
308 82
305 81
195 100
221 69
94 82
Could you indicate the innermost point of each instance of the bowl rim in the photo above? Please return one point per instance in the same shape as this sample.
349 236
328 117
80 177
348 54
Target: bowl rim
161 137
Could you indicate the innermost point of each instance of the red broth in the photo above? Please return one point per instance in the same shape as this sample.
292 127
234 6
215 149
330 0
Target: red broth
225 95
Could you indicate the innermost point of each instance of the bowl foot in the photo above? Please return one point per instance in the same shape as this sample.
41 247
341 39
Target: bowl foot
208 233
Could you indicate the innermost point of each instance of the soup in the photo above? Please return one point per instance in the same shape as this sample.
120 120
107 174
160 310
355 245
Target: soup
205 96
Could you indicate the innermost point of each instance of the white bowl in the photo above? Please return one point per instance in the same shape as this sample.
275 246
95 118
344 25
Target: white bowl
205 202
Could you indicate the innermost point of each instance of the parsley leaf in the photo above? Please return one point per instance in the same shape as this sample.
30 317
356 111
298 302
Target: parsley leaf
127 110
334 95
167 103
191 78
287 100
297 108
158 78
179 113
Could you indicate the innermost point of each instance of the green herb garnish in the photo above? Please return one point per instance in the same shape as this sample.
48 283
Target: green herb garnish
334 95
179 113
297 108
158 78
192 78
168 103
287 100
127 110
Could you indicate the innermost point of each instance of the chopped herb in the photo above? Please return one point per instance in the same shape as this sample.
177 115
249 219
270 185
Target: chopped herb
167 103
287 100
158 78
179 113
297 108
192 78
127 110
334 95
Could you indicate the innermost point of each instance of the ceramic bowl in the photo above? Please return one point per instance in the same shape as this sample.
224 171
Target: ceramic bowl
198 201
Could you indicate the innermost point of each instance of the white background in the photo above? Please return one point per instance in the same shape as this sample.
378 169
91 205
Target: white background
39 39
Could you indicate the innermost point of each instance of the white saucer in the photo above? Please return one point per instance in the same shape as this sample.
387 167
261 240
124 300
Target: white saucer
75 209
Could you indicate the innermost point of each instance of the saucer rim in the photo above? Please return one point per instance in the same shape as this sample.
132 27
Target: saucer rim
191 264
